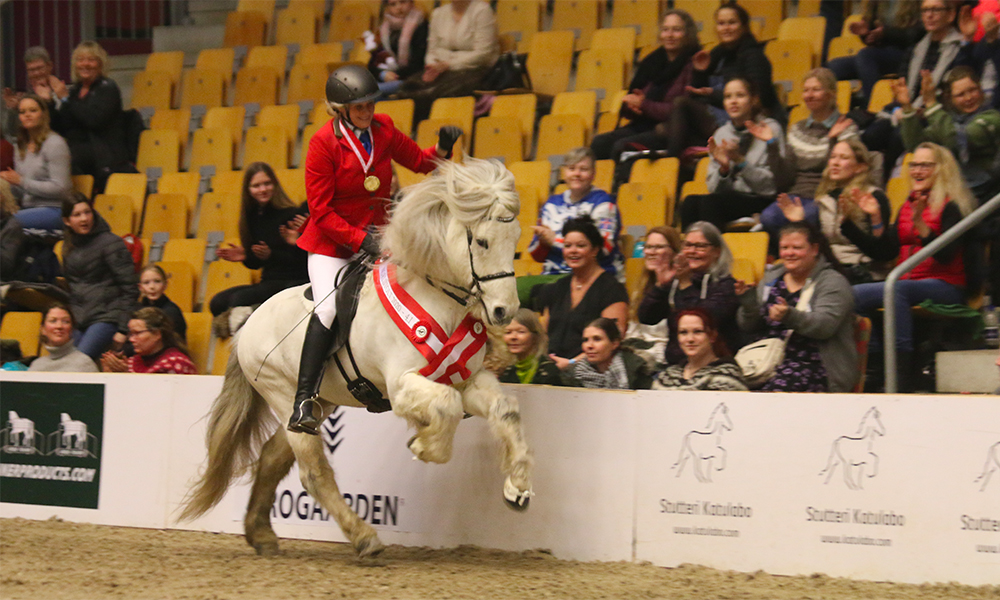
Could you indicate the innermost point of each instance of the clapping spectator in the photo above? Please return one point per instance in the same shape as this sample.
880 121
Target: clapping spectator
698 278
152 284
579 198
660 250
462 47
604 363
269 230
526 341
91 118
101 277
157 348
57 335
403 38
708 364
41 175
41 82
820 354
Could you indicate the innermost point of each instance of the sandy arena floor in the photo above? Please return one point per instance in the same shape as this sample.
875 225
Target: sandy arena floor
55 560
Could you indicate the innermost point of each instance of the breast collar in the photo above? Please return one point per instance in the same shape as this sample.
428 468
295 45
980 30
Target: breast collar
446 356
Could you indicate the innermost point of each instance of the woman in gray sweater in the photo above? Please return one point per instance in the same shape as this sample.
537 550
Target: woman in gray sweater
41 176
57 335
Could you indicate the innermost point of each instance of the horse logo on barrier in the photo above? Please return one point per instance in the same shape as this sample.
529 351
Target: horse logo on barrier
72 438
705 447
854 452
992 466
19 437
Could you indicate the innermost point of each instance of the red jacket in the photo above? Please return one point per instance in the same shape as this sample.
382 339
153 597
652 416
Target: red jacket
340 208
951 270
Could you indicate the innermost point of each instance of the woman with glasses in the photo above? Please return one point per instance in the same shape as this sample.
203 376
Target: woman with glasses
699 277
938 200
660 249
157 348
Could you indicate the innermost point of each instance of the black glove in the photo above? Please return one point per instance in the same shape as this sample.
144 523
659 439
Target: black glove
447 136
370 245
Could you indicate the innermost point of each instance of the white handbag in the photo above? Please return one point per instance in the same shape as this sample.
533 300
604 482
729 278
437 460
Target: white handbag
759 360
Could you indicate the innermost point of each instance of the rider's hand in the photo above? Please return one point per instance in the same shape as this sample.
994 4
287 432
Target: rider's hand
370 245
447 136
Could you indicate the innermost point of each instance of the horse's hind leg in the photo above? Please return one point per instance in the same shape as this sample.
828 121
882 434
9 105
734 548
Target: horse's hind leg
276 458
317 478
434 410
483 397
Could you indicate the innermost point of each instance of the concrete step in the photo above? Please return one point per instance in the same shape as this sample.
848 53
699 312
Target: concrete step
964 371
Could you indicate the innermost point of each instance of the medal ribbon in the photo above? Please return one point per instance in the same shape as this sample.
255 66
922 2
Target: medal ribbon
350 137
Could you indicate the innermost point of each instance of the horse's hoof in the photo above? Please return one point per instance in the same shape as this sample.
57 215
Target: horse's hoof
266 548
369 548
515 498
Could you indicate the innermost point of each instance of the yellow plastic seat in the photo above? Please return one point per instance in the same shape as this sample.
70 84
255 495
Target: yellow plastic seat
897 190
229 182
264 7
846 45
526 266
180 283
582 103
132 185
635 267
244 28
881 95
521 106
257 84
317 6
790 59
190 251
663 170
217 59
455 110
230 118
528 217
797 114
536 174
267 144
171 63
743 270
212 146
296 25
222 275
768 14
499 137
178 120
307 82
558 134
349 20
644 203
152 89
293 181
604 173
810 29
400 111
703 13
580 17
808 8
326 53
185 184
640 16
220 356
25 327
750 245
284 116
601 69
427 134
165 213
520 18
219 212
199 338
550 57
159 148
307 133
319 115
118 211
205 87
84 184
274 57
406 177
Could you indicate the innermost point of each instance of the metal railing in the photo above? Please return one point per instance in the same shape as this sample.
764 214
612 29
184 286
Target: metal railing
889 292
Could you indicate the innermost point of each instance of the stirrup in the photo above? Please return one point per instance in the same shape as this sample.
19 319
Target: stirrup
305 422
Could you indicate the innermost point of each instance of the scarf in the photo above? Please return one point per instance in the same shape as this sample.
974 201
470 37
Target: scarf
406 25
615 378
659 71
526 369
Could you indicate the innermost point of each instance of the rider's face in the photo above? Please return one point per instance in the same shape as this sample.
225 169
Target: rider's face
361 114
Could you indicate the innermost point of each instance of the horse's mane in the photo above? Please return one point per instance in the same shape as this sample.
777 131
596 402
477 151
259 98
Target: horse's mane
470 192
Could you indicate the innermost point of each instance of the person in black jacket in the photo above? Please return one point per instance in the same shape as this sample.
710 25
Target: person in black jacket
91 118
101 278
403 45
269 228
152 283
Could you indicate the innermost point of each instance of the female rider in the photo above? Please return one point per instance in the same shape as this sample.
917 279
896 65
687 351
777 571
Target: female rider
348 173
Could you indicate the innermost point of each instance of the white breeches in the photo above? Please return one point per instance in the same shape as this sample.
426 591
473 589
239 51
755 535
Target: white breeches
323 272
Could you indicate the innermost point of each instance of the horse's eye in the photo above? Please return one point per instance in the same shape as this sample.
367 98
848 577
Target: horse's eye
483 243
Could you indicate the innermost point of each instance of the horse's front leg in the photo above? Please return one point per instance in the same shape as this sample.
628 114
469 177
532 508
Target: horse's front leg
483 397
434 410
317 478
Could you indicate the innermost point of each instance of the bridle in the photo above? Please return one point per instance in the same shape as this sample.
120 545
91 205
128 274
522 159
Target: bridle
467 296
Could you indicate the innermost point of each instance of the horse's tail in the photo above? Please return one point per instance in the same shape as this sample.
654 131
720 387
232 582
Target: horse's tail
238 425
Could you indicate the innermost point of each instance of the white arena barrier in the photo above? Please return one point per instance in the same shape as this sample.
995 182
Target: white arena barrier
900 488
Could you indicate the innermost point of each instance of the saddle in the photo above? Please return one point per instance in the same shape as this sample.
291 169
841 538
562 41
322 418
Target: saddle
346 298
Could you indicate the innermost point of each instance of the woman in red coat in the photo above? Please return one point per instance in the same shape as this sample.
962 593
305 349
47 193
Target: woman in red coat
348 174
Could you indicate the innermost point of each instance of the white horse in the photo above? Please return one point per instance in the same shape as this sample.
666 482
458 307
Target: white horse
74 433
451 240
22 428
992 465
705 447
855 452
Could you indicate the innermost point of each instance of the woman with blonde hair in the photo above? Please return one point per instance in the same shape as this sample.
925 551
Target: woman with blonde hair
846 185
526 340
660 249
938 200
91 117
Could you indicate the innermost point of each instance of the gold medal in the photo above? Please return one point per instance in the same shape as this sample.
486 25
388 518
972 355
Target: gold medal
372 183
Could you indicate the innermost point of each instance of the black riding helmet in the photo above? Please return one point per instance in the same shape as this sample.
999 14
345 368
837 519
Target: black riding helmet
351 84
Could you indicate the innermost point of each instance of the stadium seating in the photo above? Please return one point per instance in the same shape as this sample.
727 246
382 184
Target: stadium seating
25 328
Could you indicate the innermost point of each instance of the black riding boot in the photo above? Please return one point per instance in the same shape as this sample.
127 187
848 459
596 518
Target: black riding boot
307 416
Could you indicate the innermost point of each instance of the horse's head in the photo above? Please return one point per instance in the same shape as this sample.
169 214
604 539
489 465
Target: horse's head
720 416
459 227
11 415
